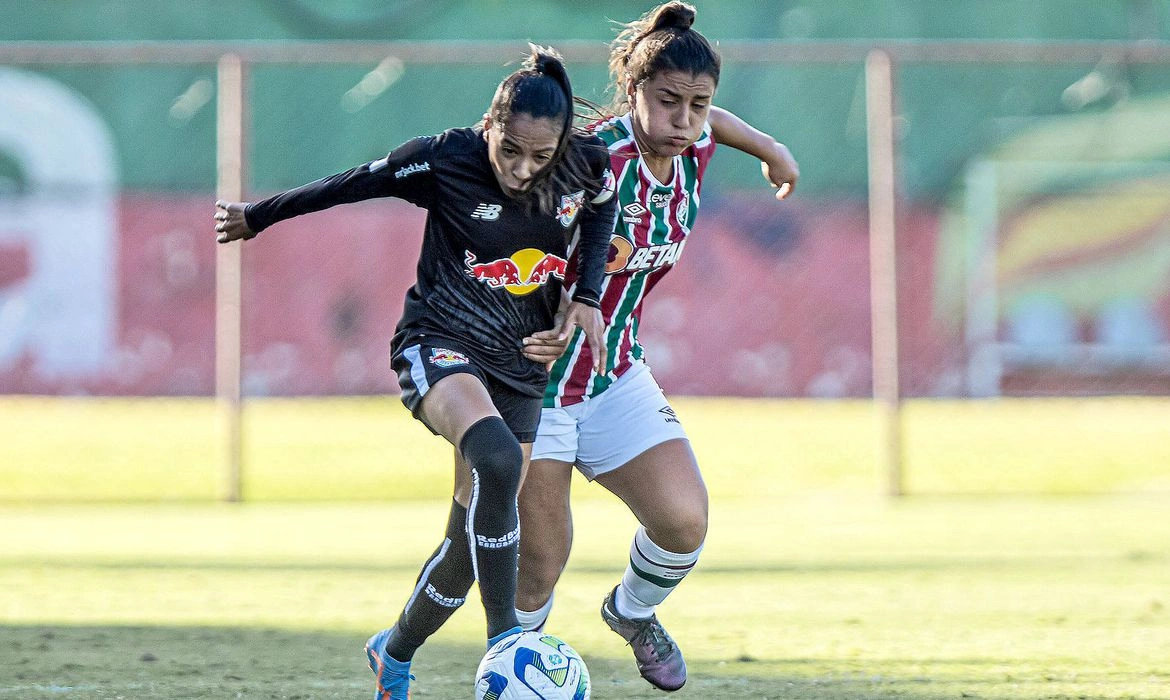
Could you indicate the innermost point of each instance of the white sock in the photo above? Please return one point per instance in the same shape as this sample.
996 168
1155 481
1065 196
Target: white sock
534 621
650 576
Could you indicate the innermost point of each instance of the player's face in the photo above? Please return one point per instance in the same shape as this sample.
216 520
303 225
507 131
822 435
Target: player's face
520 149
669 110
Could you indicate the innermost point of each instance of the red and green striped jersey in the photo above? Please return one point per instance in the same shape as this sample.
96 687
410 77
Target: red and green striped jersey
654 220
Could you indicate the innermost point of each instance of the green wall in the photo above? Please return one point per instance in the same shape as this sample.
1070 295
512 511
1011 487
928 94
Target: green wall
949 112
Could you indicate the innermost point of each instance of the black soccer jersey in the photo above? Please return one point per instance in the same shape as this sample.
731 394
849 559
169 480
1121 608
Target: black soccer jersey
491 266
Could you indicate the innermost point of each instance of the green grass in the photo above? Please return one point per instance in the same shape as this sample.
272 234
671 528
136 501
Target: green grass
371 449
1035 563
813 596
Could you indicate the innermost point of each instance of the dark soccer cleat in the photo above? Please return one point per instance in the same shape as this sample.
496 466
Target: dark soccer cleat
393 676
659 659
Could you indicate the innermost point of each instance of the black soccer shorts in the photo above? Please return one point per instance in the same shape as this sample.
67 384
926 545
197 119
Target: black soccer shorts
421 362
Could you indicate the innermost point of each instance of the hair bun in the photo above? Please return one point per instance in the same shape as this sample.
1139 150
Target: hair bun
545 60
675 15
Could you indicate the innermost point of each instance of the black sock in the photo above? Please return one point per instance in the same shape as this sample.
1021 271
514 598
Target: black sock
494 456
441 588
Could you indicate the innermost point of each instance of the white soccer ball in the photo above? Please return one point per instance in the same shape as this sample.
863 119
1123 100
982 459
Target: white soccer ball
532 666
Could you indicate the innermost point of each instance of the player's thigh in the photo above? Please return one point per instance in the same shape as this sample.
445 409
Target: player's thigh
455 403
664 489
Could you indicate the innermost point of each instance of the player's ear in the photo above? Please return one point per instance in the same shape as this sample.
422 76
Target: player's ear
487 125
631 90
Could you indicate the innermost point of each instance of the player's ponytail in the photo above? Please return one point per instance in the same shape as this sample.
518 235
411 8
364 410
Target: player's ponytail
541 89
547 62
660 40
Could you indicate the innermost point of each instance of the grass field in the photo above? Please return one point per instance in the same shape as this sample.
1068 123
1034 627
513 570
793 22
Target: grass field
1034 563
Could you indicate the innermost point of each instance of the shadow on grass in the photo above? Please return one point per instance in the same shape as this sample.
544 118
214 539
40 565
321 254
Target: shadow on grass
54 661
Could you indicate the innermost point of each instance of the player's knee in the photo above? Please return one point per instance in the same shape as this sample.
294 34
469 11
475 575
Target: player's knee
493 452
690 532
683 530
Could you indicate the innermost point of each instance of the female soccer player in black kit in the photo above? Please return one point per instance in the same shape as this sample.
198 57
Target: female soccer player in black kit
506 203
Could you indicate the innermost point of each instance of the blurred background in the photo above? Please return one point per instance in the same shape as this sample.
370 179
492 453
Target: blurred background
1010 191
1032 162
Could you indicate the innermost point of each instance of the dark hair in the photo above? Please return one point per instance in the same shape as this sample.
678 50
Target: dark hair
541 89
660 40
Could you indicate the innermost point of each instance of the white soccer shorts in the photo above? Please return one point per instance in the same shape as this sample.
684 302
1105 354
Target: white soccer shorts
603 433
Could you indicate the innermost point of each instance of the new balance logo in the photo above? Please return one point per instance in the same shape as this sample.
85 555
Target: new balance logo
487 212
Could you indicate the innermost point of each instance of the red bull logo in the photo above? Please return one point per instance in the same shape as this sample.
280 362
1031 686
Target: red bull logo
447 358
570 205
522 273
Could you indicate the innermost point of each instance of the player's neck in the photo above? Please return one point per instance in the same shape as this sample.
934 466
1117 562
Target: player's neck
661 167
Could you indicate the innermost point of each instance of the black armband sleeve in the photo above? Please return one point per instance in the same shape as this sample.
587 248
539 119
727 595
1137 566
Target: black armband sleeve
597 225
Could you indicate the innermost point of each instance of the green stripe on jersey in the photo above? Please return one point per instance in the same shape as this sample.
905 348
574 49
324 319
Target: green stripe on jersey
630 296
690 183
560 368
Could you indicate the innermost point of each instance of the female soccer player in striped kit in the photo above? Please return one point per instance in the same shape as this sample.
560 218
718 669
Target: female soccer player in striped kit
616 426
503 203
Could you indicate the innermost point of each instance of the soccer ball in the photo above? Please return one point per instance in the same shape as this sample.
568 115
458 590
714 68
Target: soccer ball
532 666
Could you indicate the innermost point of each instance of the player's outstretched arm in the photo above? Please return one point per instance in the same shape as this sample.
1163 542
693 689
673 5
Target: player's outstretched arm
776 161
230 223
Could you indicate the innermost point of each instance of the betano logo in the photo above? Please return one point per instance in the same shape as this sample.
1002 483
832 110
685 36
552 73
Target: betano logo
624 256
520 274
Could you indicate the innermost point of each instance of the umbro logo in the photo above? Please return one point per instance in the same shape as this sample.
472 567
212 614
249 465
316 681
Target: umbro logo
669 414
632 213
487 212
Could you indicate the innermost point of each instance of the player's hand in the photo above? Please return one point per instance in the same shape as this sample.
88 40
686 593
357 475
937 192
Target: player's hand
589 320
545 347
230 223
781 171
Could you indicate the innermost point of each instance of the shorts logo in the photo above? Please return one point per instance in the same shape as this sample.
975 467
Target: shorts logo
487 212
669 414
447 358
498 542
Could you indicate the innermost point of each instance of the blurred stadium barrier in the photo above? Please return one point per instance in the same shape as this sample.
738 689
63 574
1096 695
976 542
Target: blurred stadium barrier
108 172
1032 222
